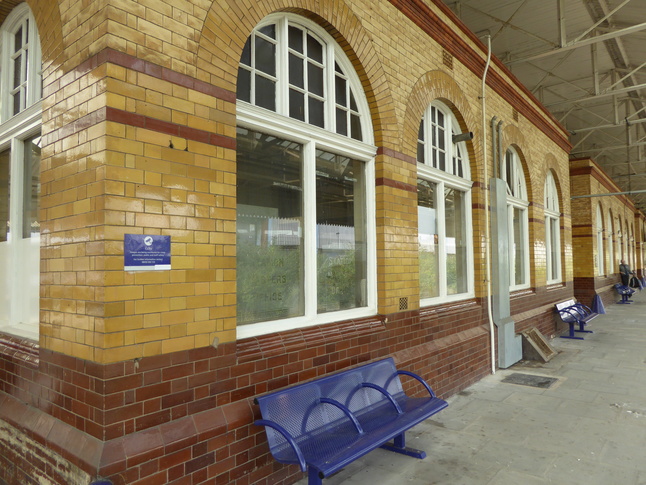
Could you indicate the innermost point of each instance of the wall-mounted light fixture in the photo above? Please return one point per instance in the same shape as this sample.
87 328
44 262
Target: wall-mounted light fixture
466 136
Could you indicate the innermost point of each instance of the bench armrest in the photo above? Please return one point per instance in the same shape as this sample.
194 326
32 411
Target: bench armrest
385 393
575 308
584 308
288 438
415 376
569 312
345 410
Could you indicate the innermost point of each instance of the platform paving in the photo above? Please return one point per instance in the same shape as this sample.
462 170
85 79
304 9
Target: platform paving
588 428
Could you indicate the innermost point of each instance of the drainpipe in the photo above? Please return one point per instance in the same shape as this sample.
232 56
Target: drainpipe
494 142
492 332
501 152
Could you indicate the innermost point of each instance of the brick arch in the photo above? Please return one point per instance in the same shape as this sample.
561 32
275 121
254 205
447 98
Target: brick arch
513 136
6 8
552 165
438 85
50 31
601 207
227 27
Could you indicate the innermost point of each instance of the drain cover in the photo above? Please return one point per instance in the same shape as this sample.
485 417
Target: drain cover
530 380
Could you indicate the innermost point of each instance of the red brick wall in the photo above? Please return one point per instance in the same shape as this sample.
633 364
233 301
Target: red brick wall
188 416
190 413
535 308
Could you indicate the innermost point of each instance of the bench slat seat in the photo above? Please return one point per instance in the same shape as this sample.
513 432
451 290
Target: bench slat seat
334 420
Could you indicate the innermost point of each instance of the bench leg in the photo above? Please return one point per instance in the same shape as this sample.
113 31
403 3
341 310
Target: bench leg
313 477
571 334
399 446
581 328
625 299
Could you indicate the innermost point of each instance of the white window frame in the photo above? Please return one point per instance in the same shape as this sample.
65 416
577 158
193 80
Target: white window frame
620 242
552 214
612 265
517 200
312 138
443 180
31 80
600 255
19 257
629 246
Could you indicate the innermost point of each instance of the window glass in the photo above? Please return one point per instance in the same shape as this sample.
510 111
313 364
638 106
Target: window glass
341 245
295 39
265 55
421 144
256 75
554 245
296 105
611 249
265 93
296 72
519 248
552 230
315 112
456 242
438 141
5 160
600 254
315 79
269 228
428 237
31 189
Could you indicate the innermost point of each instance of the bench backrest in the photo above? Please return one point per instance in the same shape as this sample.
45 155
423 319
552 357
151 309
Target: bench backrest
297 408
565 304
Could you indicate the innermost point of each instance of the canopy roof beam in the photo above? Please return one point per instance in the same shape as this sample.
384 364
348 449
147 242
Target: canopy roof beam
581 43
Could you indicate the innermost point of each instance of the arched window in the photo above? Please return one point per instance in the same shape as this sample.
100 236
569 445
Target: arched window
629 245
612 262
600 254
620 243
552 231
305 212
517 204
20 121
443 208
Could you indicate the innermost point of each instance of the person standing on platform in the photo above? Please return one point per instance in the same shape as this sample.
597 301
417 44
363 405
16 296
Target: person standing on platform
625 272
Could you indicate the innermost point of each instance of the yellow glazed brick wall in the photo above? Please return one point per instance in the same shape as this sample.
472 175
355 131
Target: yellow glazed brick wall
618 208
110 175
112 179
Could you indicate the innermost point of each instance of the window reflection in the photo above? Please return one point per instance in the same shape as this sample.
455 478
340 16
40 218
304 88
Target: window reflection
4 195
428 239
269 228
341 233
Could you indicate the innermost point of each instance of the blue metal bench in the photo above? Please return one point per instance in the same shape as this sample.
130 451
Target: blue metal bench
626 292
325 424
573 313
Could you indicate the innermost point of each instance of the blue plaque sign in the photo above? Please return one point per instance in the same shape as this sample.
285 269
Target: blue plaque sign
146 253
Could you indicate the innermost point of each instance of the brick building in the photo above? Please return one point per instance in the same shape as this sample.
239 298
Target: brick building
608 229
326 191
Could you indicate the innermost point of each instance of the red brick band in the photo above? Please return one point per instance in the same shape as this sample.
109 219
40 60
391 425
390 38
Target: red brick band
383 181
